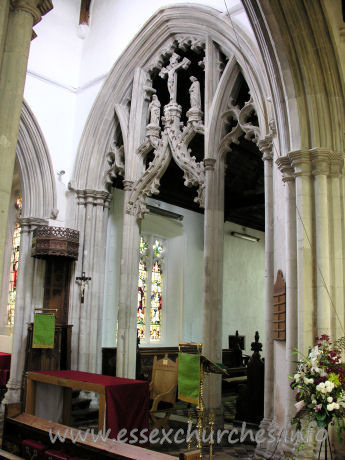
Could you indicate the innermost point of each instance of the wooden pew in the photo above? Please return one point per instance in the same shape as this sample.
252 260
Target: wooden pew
21 426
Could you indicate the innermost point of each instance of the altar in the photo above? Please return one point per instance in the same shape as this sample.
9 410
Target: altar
123 403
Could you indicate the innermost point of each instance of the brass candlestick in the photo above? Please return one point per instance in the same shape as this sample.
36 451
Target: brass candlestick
211 424
201 410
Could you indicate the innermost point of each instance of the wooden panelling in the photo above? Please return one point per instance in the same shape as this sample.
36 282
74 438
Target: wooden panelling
279 308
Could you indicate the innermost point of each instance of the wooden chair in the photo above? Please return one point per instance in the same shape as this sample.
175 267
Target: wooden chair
163 388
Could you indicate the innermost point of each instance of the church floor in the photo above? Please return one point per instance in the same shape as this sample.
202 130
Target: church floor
179 420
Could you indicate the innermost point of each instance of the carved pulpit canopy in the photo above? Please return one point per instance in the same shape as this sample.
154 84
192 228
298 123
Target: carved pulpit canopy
55 241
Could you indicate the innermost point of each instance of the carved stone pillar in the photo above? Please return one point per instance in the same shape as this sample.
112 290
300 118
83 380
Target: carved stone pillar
4 12
300 160
27 267
23 15
86 317
320 171
128 298
77 269
134 167
287 171
213 275
338 247
265 146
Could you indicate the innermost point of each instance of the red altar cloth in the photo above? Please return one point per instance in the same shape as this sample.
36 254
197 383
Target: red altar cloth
127 400
5 364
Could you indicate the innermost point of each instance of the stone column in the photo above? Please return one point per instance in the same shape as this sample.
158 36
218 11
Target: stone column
320 171
128 297
23 16
4 12
265 145
338 247
87 316
300 160
213 276
77 269
24 308
129 265
287 171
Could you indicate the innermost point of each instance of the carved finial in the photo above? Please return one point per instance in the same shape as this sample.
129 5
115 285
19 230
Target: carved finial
256 346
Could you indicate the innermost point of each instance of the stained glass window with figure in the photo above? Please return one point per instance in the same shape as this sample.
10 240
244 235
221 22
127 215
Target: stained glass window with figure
150 281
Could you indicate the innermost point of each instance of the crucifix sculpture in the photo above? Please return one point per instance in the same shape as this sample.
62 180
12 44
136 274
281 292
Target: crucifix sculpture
170 71
83 281
172 141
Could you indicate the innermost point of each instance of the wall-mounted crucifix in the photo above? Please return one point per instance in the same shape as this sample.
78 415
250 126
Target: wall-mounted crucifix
83 281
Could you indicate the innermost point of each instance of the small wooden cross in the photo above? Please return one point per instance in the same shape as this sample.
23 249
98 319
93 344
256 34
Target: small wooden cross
83 282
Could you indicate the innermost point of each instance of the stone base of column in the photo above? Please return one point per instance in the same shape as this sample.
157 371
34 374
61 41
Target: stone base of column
13 393
268 449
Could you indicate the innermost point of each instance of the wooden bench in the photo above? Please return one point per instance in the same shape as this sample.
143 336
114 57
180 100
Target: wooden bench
24 426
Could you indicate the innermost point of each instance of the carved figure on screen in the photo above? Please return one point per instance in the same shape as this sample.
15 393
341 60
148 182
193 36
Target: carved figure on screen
170 71
155 110
195 95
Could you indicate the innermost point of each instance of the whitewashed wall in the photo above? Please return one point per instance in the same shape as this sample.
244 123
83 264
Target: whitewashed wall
244 271
244 285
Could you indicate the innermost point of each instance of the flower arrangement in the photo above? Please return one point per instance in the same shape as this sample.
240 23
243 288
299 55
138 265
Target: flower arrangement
320 384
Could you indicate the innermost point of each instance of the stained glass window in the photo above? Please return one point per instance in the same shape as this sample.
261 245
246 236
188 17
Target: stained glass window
150 280
14 268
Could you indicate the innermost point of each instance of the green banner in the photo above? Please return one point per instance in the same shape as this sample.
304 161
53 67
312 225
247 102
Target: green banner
44 330
189 377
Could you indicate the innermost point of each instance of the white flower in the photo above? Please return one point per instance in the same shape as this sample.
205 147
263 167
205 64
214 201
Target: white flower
296 377
329 386
314 352
329 399
314 401
320 386
336 406
330 407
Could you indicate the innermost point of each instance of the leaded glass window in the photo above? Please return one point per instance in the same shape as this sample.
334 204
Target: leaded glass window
150 281
11 303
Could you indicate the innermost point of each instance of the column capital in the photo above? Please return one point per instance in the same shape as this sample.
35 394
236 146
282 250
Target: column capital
320 160
336 164
301 162
37 8
285 167
28 224
209 164
266 147
94 197
127 185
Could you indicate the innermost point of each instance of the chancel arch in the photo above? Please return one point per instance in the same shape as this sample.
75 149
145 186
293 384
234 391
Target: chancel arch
166 101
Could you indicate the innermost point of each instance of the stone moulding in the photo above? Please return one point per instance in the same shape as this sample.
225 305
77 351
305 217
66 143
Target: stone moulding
172 144
240 116
55 241
148 184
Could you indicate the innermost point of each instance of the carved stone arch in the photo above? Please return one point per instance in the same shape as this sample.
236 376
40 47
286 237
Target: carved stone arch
157 37
35 169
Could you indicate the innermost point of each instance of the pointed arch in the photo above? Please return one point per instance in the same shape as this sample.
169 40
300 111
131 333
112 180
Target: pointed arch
35 168
158 34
